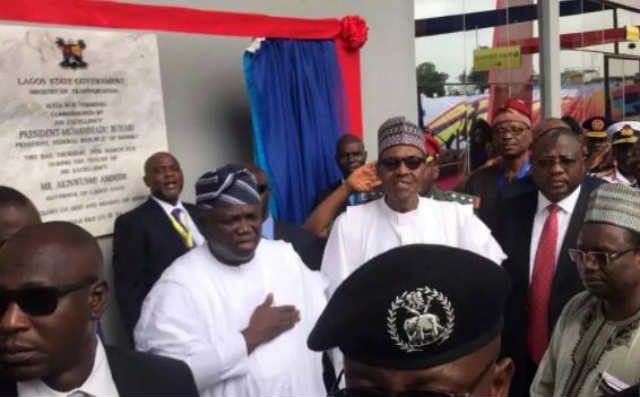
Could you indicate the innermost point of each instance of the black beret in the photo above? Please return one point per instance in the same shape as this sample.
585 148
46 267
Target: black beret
416 306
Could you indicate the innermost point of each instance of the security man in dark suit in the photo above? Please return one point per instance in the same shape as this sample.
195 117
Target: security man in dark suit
540 220
151 236
52 295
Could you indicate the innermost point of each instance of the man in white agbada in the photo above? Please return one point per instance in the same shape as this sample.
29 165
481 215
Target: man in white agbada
401 217
238 309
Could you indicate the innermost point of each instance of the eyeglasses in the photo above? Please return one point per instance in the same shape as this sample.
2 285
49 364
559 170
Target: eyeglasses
600 258
515 131
263 188
411 162
564 162
39 301
373 392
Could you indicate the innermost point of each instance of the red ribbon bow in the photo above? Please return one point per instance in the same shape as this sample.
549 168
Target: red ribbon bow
354 31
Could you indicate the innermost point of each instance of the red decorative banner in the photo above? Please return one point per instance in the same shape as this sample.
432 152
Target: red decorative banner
577 40
116 15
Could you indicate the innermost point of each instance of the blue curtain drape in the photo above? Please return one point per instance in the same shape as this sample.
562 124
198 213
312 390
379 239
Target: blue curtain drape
297 110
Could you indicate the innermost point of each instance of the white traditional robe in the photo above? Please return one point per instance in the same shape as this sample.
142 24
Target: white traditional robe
367 230
589 355
198 307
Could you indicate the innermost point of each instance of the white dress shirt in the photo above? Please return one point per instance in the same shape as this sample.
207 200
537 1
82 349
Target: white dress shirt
367 230
617 177
566 207
186 220
198 307
99 383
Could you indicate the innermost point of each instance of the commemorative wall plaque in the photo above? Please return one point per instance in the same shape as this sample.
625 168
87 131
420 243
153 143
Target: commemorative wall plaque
80 111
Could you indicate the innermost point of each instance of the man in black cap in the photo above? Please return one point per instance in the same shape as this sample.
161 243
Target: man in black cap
431 329
237 309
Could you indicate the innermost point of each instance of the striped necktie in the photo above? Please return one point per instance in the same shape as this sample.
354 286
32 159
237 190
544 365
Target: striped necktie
180 227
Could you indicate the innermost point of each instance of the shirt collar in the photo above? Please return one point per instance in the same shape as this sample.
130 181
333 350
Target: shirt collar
168 207
396 217
623 179
99 383
268 228
567 204
522 172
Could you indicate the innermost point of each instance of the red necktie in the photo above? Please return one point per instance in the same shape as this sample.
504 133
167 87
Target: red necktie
540 288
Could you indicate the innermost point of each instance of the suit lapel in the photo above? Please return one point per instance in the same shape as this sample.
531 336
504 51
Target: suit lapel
8 388
524 219
159 223
196 216
571 237
566 280
277 230
124 375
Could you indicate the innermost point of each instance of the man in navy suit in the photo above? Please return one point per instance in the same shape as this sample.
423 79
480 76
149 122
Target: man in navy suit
52 295
540 220
151 236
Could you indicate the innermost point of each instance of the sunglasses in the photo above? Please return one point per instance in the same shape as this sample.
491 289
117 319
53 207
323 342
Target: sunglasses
39 301
263 188
411 162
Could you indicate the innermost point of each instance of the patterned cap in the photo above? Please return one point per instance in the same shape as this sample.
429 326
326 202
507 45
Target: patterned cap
615 204
624 132
398 131
596 127
415 306
514 110
231 184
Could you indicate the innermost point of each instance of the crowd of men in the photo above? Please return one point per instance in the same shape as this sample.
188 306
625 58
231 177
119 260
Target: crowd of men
526 281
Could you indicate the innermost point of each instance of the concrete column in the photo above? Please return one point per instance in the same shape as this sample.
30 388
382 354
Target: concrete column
549 33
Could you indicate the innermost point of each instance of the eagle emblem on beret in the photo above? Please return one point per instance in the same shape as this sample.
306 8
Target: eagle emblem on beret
627 131
597 125
420 318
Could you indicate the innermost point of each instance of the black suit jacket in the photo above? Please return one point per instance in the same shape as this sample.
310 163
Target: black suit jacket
144 245
309 247
633 391
139 375
514 235
483 183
